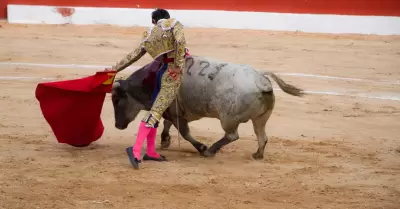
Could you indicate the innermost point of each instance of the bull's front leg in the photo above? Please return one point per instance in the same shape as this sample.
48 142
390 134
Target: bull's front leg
165 137
185 132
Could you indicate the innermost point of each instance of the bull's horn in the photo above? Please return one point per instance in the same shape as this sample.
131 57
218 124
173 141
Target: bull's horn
116 85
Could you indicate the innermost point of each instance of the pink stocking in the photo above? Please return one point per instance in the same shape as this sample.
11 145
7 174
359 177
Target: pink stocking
141 135
151 144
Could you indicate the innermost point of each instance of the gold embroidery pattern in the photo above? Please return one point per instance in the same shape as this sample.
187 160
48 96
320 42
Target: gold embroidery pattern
163 38
179 36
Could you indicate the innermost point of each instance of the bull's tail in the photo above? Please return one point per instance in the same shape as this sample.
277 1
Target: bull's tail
290 89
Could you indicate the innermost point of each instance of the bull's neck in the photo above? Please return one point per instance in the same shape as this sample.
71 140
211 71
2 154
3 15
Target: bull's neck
141 92
142 82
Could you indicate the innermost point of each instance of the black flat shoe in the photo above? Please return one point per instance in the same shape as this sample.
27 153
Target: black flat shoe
161 158
135 162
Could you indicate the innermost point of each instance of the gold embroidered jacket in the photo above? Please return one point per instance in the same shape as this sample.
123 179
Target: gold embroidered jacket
165 37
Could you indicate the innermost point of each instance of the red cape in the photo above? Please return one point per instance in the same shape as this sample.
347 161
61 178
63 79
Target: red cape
73 107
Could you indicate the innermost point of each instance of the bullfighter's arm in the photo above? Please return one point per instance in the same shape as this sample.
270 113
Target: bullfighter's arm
180 44
129 59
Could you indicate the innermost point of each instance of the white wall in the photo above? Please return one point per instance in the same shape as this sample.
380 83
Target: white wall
211 19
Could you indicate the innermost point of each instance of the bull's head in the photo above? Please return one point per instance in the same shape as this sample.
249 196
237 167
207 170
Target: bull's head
126 107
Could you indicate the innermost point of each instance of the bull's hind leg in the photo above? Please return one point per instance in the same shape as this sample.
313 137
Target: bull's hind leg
259 129
231 135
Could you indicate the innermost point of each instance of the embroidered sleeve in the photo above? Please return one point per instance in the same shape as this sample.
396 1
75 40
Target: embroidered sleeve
133 56
180 44
129 59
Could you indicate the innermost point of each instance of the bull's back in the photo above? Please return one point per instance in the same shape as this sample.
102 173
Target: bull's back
210 86
208 73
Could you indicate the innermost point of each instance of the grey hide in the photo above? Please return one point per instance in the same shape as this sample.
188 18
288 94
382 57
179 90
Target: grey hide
231 93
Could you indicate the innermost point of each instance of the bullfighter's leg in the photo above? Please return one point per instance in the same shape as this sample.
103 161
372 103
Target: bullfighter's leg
231 134
151 147
168 91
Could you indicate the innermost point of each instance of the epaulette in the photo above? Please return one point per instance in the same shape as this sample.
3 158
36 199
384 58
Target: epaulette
168 24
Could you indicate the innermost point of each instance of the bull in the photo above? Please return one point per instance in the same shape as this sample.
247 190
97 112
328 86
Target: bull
231 93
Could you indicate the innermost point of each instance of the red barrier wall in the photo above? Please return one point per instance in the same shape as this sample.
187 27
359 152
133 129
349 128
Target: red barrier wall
3 8
347 7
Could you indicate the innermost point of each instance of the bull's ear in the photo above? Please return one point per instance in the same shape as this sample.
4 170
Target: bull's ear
116 85
124 86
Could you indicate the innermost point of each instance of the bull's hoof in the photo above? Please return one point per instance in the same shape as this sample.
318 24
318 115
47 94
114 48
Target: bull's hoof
165 142
201 148
207 153
257 156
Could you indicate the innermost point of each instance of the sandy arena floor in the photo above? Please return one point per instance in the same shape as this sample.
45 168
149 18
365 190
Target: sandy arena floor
325 151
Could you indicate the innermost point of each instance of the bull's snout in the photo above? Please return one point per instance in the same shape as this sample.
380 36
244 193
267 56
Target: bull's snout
120 126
